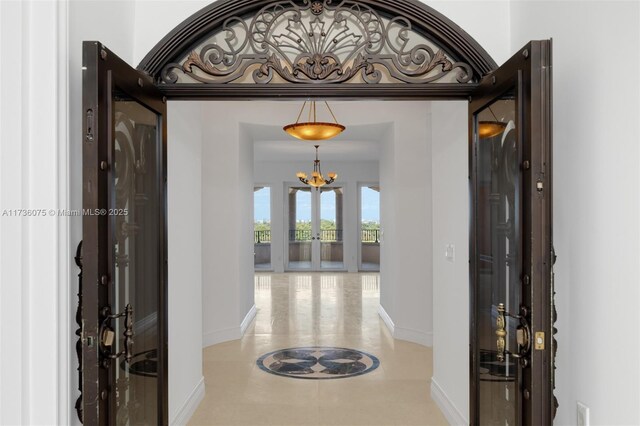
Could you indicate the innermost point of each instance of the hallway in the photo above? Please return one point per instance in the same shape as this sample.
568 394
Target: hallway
317 309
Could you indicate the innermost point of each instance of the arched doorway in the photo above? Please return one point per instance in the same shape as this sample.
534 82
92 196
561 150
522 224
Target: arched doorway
313 49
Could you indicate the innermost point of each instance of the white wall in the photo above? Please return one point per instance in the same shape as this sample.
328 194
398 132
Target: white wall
184 151
154 19
388 245
245 228
33 251
276 174
450 171
596 50
227 213
488 22
405 182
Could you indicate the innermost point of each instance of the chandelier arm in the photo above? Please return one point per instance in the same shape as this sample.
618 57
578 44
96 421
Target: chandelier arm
332 114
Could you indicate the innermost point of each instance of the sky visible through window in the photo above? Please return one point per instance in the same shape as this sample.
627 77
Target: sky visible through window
262 205
370 205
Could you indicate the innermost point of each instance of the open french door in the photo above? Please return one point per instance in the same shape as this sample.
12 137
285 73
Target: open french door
123 339
315 228
512 310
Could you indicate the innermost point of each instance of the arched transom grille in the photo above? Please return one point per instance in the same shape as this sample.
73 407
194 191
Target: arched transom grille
316 42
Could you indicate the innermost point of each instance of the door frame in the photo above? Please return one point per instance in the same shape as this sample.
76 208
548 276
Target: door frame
316 254
422 18
359 186
271 211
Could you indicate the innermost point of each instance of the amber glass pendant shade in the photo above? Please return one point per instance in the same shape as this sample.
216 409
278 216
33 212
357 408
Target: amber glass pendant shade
313 130
489 129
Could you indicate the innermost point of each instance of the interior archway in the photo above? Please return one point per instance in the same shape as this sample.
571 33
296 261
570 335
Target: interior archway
398 49
440 61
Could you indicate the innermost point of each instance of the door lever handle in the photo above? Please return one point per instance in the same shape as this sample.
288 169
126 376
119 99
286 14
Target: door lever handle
523 335
107 335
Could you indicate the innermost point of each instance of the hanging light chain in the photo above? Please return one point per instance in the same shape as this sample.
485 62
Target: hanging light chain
332 114
301 111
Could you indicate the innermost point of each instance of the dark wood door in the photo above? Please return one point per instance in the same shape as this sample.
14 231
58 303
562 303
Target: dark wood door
512 312
124 268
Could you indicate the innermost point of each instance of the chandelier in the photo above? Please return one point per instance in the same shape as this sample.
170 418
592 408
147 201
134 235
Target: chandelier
317 180
490 129
312 129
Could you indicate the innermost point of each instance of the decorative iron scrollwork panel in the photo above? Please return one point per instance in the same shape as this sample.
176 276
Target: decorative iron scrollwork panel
313 42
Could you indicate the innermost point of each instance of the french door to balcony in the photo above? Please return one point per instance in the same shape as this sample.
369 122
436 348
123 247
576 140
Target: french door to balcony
315 228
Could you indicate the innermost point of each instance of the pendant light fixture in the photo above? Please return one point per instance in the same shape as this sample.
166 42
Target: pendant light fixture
312 129
490 129
317 180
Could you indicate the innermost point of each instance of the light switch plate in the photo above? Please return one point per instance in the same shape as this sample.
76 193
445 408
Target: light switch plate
583 415
450 252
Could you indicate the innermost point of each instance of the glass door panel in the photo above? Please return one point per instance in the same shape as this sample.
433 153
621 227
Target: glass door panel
135 224
499 258
315 228
370 228
331 228
262 228
300 228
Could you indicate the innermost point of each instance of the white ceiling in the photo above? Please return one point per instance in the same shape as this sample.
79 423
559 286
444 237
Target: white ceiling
356 143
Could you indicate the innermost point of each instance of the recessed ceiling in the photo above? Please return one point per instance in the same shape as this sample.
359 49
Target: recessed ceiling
356 143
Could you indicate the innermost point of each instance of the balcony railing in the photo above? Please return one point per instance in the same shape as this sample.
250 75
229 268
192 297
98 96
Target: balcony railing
331 235
370 236
307 235
260 237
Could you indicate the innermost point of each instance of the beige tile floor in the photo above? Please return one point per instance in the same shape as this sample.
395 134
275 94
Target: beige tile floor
317 309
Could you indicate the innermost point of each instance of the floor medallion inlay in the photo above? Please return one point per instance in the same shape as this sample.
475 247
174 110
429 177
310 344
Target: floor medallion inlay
318 362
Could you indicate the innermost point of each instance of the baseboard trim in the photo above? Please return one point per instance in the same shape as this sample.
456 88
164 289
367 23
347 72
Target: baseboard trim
415 336
450 411
189 407
220 336
246 322
387 319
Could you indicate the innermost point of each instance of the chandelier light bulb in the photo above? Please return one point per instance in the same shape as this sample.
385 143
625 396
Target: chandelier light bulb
317 180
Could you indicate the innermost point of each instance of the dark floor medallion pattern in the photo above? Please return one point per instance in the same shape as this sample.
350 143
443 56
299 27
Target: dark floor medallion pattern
318 362
143 364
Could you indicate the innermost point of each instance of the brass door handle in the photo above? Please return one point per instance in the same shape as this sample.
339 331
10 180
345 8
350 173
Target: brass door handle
107 335
501 332
523 335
